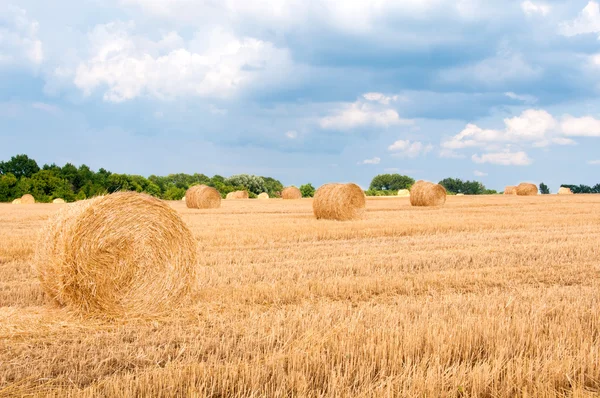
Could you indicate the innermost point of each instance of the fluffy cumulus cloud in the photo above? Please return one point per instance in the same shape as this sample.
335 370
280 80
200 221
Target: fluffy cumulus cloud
372 111
588 21
19 37
585 126
215 64
531 8
374 160
504 158
410 149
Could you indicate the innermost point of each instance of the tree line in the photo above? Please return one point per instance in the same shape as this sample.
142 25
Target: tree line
21 175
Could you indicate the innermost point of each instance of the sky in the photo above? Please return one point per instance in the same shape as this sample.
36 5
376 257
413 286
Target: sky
318 91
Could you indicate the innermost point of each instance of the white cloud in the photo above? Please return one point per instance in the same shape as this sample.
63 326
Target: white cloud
504 158
291 134
361 114
531 8
381 98
217 64
594 162
532 126
406 148
479 173
528 99
375 160
19 41
586 126
588 21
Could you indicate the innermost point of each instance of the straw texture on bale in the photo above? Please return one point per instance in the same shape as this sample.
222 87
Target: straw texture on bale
16 202
263 195
202 197
510 190
58 200
340 202
291 193
121 255
237 195
424 193
27 199
404 193
527 189
565 191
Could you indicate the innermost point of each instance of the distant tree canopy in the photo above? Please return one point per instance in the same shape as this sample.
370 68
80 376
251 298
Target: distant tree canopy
308 191
390 182
21 175
456 185
544 190
583 188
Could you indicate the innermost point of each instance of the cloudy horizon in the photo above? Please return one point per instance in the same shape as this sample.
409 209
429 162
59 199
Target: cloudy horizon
306 91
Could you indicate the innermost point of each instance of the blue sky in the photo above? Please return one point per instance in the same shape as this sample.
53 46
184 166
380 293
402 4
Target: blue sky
306 91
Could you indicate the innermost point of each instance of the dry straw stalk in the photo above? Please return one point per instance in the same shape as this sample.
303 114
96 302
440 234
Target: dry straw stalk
202 197
340 202
122 255
424 193
291 193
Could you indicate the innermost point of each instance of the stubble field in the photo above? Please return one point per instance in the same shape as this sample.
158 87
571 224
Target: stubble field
486 296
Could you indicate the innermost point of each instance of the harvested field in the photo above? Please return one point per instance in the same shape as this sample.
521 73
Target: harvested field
486 296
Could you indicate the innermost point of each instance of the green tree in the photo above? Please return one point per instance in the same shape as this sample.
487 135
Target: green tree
19 166
252 183
456 185
273 187
544 189
7 184
308 191
390 182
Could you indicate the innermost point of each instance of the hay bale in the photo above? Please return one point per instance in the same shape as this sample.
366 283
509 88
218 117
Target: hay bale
27 199
405 193
263 196
341 202
565 191
16 202
510 190
202 197
291 193
237 195
183 199
58 201
121 255
527 189
424 193
460 194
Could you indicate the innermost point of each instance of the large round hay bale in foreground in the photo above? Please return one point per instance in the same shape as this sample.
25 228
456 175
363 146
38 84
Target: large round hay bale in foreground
527 189
27 199
121 255
405 193
16 202
510 190
291 193
202 197
263 196
58 201
340 202
237 195
424 193
565 191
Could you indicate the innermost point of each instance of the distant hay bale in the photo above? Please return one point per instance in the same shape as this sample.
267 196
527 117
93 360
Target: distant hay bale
424 193
27 199
565 191
404 193
183 199
263 196
121 255
460 194
58 201
527 189
291 193
340 202
510 190
237 195
202 197
16 202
